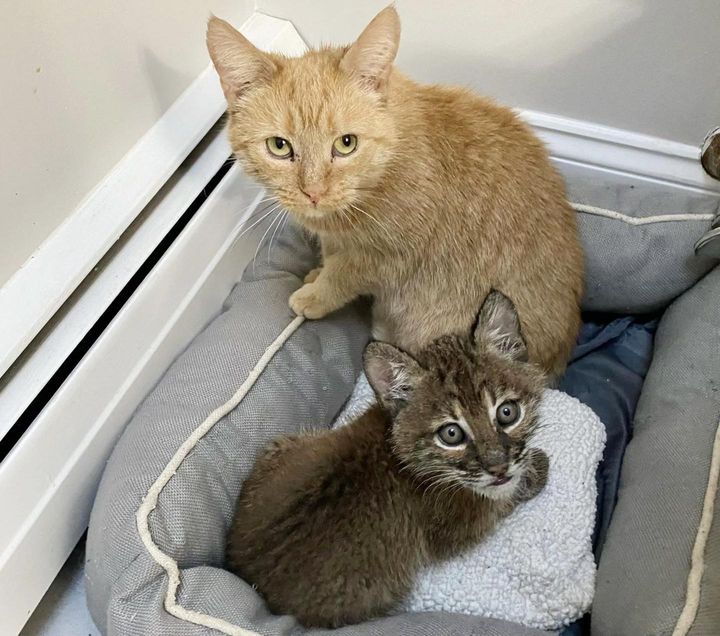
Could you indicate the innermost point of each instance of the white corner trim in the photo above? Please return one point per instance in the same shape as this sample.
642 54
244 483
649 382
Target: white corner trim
46 280
621 151
38 363
36 291
49 479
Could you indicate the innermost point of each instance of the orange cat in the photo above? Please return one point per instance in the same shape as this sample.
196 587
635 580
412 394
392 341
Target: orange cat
424 197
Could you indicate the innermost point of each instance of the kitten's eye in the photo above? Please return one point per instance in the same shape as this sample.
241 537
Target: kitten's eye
507 413
344 146
451 435
279 147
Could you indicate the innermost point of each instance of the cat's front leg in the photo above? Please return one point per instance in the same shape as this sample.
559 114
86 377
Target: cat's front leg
326 250
312 275
334 286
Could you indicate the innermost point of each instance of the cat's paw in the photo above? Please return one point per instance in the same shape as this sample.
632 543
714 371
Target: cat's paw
309 302
536 474
312 275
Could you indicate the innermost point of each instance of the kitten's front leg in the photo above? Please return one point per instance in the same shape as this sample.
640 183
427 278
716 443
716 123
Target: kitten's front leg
536 475
334 286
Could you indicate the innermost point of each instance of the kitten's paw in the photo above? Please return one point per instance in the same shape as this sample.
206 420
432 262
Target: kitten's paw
536 474
279 446
312 275
308 301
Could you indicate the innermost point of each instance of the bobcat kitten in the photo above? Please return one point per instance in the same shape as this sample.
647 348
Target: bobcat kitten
423 197
333 526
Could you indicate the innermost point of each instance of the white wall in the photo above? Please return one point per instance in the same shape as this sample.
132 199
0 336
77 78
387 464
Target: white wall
82 81
649 66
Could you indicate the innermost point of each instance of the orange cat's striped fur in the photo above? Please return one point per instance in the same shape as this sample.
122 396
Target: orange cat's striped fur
424 197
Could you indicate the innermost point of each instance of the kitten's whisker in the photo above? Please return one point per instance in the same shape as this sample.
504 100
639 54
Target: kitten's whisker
449 486
434 478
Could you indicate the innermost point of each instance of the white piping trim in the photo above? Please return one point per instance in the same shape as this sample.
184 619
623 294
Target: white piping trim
151 498
644 220
697 560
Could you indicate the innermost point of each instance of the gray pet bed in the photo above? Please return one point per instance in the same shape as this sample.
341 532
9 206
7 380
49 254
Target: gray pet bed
157 533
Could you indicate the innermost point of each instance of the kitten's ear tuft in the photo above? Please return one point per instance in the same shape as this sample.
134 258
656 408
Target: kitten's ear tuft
237 61
371 56
392 373
498 326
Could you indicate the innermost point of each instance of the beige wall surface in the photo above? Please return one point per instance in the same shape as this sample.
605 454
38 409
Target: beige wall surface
81 82
648 66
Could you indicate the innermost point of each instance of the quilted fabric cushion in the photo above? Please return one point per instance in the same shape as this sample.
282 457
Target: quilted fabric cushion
638 239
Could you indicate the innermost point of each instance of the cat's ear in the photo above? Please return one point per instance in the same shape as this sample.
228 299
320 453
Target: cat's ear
392 373
370 57
237 61
498 326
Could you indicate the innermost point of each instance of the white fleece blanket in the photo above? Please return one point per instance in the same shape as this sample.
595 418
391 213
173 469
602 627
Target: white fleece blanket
537 568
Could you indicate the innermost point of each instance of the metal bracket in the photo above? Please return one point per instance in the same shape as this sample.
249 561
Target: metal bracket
710 153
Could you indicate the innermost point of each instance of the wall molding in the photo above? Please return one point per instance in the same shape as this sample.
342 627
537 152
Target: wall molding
623 152
49 479
47 279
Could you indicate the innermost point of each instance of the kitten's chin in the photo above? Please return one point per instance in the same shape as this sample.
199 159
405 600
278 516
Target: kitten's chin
499 491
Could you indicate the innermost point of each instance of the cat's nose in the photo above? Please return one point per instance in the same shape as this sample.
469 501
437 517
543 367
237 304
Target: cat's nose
314 193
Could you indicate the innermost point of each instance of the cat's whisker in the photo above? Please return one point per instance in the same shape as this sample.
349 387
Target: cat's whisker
283 216
393 221
287 217
343 212
391 239
265 212
264 236
259 206
266 199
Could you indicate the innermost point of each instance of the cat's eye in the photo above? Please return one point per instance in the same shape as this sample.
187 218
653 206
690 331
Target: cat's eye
344 145
279 147
451 435
507 413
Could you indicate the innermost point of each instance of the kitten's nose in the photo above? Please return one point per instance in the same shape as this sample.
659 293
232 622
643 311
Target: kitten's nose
496 461
313 192
498 470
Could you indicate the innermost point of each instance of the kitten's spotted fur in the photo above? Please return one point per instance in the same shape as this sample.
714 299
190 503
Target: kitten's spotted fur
423 197
332 527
